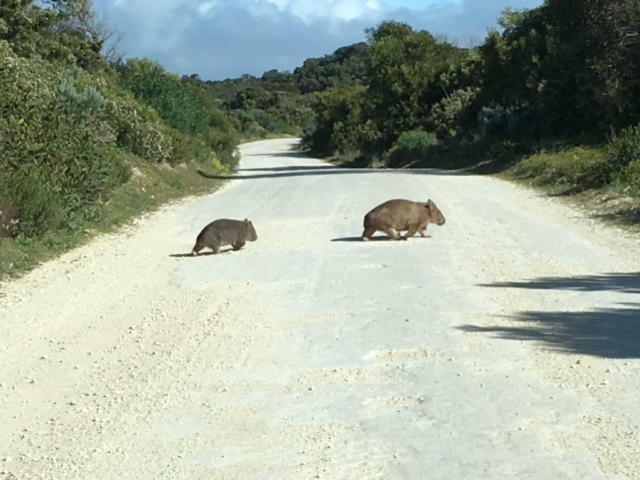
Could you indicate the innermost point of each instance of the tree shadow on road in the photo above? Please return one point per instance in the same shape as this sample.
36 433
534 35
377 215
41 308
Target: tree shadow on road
628 282
289 168
283 154
612 332
304 171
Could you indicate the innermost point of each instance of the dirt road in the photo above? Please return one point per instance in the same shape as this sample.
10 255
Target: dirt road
505 346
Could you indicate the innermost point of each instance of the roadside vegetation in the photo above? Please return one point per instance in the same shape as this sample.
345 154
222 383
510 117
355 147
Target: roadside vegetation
90 140
550 98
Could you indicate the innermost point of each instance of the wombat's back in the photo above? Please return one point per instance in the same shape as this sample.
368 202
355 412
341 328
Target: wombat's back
226 231
396 213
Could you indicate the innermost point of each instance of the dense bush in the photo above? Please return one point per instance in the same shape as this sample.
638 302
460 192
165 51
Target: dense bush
260 106
541 79
339 126
70 124
410 146
624 149
59 151
152 85
138 133
622 159
453 114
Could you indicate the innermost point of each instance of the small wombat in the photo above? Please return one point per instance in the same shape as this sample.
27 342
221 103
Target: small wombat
224 231
398 215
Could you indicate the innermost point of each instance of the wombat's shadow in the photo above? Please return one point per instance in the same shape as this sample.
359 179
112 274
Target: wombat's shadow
377 238
201 254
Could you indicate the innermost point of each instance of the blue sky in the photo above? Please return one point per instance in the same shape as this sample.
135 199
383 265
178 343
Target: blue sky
227 38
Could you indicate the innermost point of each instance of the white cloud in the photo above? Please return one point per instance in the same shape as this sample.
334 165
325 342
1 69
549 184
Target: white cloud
227 38
309 11
206 7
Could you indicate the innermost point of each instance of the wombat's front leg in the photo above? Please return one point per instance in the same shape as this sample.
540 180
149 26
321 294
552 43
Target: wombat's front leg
392 233
238 244
411 231
423 232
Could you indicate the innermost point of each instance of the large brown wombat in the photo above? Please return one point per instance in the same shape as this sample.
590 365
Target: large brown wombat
398 215
224 231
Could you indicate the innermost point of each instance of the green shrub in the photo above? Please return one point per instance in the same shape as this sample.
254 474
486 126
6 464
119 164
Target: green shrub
38 202
58 151
502 152
339 127
632 174
186 148
246 125
219 121
225 146
623 149
409 147
453 114
89 99
262 118
8 212
415 140
141 137
151 84
575 167
621 159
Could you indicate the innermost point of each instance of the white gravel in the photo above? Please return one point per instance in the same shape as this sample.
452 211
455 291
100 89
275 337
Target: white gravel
505 346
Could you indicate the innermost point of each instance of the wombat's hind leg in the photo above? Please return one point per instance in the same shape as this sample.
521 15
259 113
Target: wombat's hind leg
215 248
238 244
366 235
196 249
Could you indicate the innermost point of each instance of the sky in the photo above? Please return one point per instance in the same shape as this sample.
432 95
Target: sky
220 39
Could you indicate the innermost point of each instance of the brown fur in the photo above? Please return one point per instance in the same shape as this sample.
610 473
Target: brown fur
398 215
224 231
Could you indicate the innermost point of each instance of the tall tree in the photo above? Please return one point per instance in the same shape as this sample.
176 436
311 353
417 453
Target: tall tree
403 64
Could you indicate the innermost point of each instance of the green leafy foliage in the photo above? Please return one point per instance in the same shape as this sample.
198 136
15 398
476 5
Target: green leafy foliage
152 85
624 149
59 156
340 127
410 146
622 158
415 140
70 123
347 66
566 69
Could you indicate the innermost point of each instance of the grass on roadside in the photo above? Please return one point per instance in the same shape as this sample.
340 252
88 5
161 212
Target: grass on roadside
573 174
151 187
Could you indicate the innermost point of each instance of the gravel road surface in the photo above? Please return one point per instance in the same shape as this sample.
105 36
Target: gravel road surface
505 346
